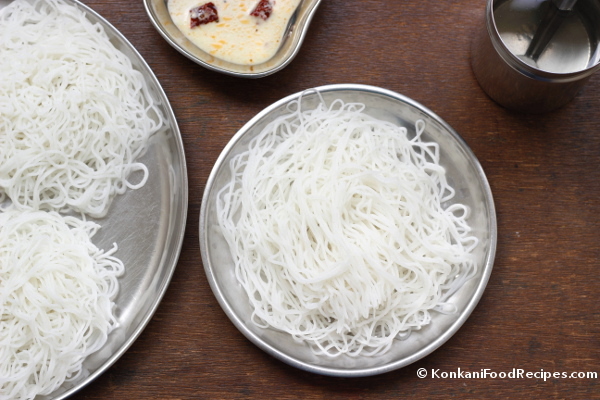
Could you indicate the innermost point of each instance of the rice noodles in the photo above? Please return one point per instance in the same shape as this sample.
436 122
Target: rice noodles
75 116
337 226
56 300
74 113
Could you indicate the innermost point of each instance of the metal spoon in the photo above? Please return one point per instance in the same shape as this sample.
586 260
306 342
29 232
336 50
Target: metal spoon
557 13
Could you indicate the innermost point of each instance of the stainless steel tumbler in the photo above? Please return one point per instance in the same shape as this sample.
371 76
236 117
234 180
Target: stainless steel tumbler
535 55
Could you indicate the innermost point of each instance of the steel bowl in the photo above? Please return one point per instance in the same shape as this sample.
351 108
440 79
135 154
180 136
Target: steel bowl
464 174
296 31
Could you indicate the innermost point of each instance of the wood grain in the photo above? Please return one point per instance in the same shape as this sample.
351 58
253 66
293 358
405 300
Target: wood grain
540 310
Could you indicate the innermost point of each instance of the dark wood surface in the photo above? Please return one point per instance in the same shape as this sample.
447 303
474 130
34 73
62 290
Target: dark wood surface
540 310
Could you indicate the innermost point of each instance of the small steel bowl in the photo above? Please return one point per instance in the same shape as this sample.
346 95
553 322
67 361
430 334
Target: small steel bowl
464 174
296 31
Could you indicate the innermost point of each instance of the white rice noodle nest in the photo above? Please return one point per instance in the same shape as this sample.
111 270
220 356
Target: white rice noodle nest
338 229
75 117
56 300
74 113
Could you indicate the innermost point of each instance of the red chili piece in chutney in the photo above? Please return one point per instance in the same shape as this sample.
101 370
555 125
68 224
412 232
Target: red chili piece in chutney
263 10
203 14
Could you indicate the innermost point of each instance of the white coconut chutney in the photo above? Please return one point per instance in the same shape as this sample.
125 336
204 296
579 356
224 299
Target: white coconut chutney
245 32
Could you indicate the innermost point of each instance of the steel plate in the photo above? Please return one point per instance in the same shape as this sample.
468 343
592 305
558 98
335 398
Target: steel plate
464 174
147 224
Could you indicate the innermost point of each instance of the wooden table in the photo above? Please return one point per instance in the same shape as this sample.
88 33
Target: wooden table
540 310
